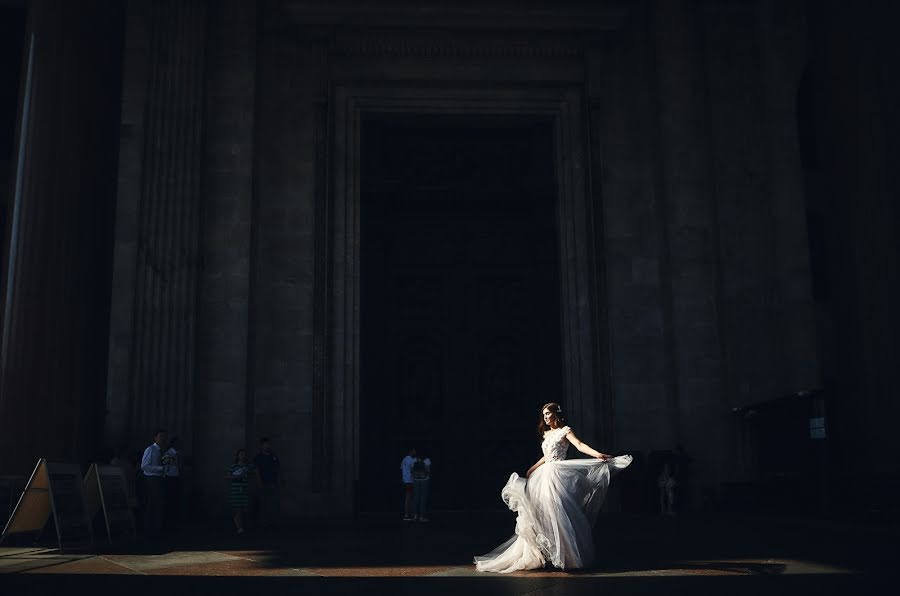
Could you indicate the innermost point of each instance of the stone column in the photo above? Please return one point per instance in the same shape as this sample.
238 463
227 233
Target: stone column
699 410
783 52
221 410
752 73
855 185
743 185
154 323
59 235
283 295
623 131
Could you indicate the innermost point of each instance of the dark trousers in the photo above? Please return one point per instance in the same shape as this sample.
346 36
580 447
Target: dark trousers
420 497
269 503
172 510
155 509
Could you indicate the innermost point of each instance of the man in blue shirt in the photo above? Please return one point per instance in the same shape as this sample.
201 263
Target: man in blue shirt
154 472
268 473
406 476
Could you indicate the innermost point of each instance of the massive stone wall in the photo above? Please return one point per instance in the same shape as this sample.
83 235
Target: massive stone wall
700 270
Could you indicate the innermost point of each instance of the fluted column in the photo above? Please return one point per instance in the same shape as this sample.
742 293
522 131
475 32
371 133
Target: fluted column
59 235
153 334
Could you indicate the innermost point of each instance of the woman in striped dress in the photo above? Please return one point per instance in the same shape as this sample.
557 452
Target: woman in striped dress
239 498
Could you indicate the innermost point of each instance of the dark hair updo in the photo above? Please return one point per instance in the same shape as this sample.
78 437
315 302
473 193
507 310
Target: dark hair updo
554 408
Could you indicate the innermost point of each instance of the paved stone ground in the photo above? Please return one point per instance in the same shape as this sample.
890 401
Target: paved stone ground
639 555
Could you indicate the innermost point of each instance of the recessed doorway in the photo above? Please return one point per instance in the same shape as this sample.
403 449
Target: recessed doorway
460 320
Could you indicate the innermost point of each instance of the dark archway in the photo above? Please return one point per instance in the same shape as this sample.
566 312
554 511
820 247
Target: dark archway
460 307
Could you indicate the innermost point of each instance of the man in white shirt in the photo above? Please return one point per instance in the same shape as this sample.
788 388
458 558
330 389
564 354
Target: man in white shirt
154 472
406 475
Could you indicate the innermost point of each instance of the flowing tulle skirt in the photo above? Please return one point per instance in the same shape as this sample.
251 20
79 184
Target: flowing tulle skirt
556 510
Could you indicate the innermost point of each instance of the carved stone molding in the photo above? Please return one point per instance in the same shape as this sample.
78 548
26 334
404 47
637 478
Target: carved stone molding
492 29
454 47
502 15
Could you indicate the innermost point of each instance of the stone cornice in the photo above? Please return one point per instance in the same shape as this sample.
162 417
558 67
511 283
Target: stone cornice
453 47
461 15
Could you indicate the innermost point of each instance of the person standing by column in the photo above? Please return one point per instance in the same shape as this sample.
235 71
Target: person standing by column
406 477
666 484
154 472
268 476
421 475
172 460
238 495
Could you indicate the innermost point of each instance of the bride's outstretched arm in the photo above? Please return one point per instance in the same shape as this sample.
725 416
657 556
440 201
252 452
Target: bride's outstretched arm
585 448
537 465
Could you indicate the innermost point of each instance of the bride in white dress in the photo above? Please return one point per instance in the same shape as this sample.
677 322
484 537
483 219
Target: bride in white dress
557 504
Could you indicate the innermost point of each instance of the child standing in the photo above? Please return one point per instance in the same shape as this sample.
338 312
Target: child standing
666 484
239 474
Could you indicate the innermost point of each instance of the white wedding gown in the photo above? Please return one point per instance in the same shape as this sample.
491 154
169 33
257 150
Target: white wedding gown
556 508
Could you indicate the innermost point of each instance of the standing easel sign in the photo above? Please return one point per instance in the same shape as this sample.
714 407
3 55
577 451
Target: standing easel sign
106 488
33 509
53 489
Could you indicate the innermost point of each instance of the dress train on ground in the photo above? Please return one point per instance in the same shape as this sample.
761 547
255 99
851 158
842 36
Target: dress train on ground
557 507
